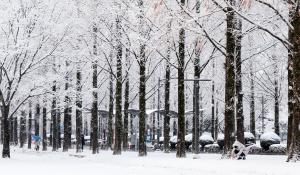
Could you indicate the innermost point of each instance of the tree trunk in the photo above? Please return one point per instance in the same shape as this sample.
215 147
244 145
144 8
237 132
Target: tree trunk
44 127
229 130
290 94
2 130
29 126
142 86
276 99
294 151
217 122
22 129
167 97
110 112
54 119
118 122
142 103
94 121
11 130
58 115
252 102
126 102
201 115
238 84
196 99
181 101
37 119
78 111
15 131
196 95
213 104
67 115
6 135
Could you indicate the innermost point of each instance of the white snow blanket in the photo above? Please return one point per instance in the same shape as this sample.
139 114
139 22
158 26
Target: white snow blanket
29 162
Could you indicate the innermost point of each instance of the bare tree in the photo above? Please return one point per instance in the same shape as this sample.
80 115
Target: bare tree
229 132
22 133
67 112
94 121
54 119
118 121
78 110
294 150
29 125
181 101
237 22
44 119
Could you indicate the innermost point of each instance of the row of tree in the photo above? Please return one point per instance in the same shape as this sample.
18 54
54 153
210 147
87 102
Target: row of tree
41 49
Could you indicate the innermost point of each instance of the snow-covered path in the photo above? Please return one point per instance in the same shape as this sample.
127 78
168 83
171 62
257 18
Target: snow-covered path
26 162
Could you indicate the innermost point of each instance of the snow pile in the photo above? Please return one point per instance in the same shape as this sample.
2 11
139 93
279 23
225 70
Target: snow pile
278 148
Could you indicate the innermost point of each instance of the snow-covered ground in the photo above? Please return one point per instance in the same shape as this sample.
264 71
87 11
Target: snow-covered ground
28 162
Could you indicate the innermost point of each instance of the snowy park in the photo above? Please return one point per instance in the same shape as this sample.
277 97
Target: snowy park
26 162
179 87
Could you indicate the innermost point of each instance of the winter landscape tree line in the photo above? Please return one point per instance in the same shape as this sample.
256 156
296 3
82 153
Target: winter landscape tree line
93 68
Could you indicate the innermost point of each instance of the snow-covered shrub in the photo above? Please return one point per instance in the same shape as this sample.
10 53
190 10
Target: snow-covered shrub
191 147
254 149
188 141
268 139
206 139
173 142
249 138
161 140
277 148
220 140
212 148
189 138
173 139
